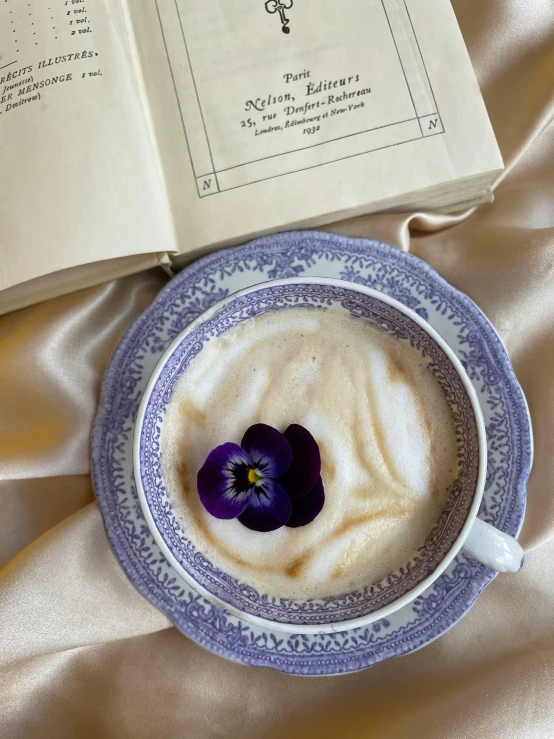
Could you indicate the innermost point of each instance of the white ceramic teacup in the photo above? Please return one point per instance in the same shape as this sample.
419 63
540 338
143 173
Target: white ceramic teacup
458 528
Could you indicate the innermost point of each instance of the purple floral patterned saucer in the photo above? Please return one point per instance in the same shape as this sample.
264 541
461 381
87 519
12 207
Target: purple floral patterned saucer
376 265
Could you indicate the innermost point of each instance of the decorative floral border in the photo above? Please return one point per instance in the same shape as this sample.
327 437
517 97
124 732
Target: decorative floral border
377 265
347 606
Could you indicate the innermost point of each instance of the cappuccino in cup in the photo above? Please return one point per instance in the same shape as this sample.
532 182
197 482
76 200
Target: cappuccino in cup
386 435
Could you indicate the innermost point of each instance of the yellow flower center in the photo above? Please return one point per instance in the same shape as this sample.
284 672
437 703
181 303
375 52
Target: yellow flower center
253 477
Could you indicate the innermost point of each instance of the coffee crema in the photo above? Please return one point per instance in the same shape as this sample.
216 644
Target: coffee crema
385 432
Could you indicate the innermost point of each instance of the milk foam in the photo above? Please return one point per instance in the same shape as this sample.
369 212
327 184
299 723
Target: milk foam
385 432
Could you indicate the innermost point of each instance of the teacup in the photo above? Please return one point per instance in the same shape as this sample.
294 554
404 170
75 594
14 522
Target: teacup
457 526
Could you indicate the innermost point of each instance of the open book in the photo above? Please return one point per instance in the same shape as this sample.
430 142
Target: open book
138 132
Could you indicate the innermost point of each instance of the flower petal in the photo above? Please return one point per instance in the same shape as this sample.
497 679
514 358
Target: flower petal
269 451
305 509
302 475
217 481
269 507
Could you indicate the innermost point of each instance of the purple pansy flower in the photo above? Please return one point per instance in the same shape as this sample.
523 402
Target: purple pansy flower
270 480
305 509
302 475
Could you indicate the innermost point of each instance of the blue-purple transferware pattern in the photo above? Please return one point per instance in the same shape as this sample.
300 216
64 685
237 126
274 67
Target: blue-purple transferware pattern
400 276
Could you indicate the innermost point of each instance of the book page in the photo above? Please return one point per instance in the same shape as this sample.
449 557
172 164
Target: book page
80 176
278 112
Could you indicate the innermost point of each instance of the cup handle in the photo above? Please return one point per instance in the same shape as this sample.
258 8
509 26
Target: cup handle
499 551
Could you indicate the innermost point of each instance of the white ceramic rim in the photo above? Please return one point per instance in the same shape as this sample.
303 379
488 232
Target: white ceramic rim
407 597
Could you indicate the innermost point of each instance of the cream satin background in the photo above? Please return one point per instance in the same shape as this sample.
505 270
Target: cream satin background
82 654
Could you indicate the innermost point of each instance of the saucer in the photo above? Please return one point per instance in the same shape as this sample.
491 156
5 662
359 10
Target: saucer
379 266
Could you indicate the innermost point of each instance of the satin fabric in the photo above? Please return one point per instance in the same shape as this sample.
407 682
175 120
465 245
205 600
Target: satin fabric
82 654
